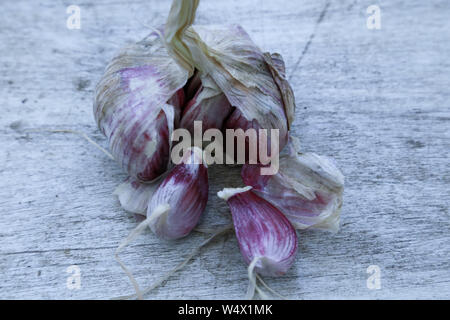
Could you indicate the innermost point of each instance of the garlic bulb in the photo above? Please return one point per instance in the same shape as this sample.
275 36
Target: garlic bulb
307 189
217 75
140 98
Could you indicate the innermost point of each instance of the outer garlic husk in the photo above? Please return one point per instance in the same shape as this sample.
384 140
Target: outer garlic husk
252 81
134 195
241 71
308 189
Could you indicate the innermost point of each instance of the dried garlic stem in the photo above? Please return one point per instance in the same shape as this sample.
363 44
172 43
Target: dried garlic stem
181 16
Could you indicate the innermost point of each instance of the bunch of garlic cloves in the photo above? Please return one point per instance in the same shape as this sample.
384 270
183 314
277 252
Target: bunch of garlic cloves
181 73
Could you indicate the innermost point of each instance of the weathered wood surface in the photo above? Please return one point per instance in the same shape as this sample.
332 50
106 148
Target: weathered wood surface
375 100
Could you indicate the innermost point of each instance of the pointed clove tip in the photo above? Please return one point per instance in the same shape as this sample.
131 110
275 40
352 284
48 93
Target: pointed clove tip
227 193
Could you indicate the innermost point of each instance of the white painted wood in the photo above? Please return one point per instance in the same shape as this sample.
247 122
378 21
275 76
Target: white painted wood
375 100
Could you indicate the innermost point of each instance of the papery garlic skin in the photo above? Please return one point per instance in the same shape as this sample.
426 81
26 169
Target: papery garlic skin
263 232
134 195
253 82
308 189
185 190
242 72
137 104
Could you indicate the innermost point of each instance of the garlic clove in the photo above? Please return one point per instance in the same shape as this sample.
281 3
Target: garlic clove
131 102
134 195
266 238
185 190
177 102
308 189
209 105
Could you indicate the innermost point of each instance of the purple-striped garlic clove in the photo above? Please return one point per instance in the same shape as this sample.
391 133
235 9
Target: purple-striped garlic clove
185 192
261 145
267 240
137 105
209 105
177 101
308 189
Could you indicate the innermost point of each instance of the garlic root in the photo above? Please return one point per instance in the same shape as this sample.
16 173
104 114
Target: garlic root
157 283
159 211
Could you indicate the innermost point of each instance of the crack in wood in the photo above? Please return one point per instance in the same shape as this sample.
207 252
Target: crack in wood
311 37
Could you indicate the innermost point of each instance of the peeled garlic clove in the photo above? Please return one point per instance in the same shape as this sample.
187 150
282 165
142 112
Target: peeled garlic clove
308 189
137 102
185 191
134 195
209 105
265 236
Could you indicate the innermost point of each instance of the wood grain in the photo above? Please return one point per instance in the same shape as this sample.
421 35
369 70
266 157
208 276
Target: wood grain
375 100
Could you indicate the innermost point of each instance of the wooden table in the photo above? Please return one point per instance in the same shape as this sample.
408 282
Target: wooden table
375 100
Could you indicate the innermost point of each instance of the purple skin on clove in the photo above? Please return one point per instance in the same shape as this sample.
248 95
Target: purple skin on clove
262 231
237 121
137 128
210 110
185 190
